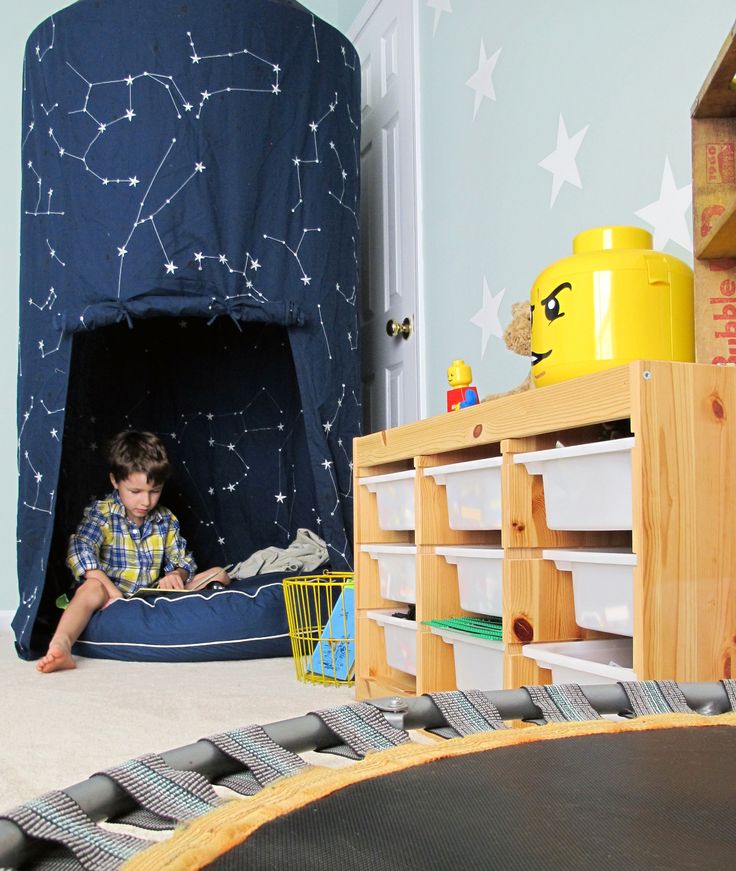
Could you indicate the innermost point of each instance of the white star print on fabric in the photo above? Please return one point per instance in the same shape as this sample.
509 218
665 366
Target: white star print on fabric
561 162
668 214
482 79
41 54
487 317
144 185
439 7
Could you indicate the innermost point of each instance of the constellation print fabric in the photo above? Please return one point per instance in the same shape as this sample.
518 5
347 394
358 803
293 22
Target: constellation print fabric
189 241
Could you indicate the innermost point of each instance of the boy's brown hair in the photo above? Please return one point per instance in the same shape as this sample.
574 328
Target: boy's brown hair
132 451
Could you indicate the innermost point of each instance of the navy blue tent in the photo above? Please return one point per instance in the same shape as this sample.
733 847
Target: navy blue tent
189 251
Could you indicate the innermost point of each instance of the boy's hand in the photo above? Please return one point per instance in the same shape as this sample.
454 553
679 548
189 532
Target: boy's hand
171 581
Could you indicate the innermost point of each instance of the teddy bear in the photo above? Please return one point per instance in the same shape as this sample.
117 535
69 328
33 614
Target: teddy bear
518 338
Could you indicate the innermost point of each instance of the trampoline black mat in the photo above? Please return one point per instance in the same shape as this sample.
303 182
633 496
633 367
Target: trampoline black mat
663 799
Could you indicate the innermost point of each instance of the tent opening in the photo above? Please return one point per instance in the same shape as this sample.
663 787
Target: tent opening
224 399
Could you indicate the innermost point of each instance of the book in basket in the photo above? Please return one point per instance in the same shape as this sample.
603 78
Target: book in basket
334 655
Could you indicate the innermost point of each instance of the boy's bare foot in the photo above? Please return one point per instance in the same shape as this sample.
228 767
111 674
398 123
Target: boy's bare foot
58 658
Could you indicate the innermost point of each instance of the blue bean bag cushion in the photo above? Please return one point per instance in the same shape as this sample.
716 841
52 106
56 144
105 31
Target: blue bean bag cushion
246 620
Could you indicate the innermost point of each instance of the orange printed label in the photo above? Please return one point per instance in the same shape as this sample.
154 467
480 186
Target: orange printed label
723 310
720 163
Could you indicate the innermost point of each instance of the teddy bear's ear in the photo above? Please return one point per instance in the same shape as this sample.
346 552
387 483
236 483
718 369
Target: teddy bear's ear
518 334
518 338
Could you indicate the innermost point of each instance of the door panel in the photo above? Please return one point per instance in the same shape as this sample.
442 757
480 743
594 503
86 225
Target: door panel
388 215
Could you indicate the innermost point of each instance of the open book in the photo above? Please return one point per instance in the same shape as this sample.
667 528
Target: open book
190 587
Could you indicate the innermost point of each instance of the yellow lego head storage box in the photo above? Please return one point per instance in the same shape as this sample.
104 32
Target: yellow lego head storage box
614 300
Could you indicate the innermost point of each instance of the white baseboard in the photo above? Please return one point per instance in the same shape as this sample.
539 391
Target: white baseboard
5 618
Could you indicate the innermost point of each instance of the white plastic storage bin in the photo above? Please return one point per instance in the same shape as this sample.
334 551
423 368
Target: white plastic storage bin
395 496
585 486
478 661
603 587
585 662
479 577
397 570
401 640
473 492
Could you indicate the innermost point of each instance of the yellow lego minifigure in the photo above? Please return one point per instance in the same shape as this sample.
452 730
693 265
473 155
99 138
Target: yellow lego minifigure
462 394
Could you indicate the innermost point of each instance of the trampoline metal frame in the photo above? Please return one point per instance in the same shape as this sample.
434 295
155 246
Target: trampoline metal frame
101 798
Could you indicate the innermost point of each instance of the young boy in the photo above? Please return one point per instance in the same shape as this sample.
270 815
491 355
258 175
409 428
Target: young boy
124 542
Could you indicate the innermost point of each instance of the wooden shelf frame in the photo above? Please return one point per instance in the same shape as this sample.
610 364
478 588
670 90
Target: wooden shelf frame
713 135
683 417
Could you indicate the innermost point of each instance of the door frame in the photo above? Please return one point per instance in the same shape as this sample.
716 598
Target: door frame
413 214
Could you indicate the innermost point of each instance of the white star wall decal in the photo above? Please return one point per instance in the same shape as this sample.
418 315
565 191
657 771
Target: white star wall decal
561 162
487 317
667 215
439 7
482 79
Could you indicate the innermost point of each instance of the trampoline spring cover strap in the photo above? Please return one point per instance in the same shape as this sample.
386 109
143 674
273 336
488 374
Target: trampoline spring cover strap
362 728
466 713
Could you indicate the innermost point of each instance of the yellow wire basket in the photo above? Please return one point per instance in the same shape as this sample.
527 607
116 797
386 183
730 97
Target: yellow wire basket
321 614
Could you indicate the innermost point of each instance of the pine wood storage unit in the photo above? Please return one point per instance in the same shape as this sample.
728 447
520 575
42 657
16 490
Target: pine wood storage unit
683 418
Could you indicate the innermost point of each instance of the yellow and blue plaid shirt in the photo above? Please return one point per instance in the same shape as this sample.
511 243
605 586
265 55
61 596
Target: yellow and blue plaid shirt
131 556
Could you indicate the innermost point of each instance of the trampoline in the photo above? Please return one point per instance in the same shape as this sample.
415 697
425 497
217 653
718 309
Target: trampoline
633 775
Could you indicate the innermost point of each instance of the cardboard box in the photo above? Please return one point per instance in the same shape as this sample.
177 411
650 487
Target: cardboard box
715 311
714 210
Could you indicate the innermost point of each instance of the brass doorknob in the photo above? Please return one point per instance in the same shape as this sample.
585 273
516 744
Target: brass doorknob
394 328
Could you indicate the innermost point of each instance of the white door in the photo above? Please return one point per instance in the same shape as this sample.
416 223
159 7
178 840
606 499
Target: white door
384 39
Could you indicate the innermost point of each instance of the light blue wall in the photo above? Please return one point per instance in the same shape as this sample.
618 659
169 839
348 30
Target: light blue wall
346 12
326 9
339 13
628 71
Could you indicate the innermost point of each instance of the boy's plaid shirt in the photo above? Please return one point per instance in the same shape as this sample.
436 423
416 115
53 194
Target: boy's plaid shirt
130 556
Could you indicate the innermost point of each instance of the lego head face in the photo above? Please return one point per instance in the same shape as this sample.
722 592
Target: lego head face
615 300
459 374
556 323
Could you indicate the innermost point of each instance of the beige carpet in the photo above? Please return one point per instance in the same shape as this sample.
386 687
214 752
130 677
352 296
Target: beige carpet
58 729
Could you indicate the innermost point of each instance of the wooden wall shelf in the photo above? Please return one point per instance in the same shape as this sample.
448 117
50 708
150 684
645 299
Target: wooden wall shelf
713 123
